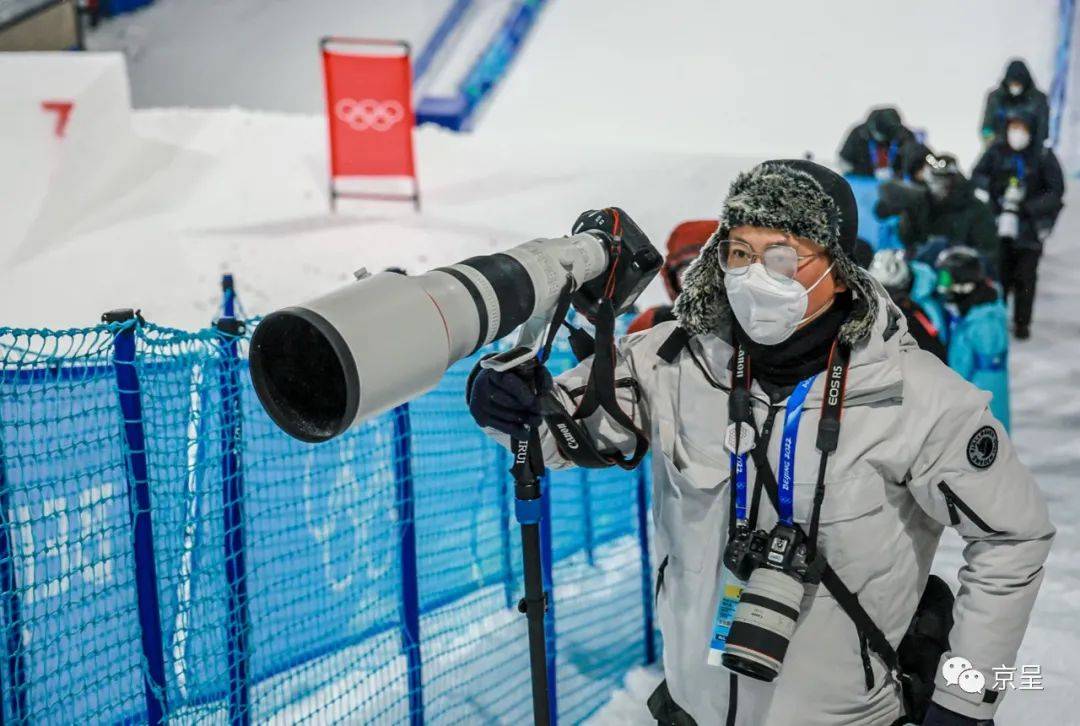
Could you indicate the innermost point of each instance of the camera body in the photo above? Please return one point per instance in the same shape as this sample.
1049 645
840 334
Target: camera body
633 261
783 549
776 566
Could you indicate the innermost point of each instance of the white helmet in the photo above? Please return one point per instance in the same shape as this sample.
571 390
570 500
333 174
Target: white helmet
890 268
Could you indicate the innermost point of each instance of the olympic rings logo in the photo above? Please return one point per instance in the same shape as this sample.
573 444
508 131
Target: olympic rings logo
367 113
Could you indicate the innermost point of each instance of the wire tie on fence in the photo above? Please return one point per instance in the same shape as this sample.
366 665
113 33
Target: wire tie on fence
230 326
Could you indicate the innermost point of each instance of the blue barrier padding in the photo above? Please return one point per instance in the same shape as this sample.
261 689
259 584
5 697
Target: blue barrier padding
587 517
127 383
410 595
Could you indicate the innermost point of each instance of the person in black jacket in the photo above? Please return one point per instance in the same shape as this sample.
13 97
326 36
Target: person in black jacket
873 147
1025 186
1016 92
939 207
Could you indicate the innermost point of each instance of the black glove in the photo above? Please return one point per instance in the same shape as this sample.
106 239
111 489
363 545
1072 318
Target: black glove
504 401
938 716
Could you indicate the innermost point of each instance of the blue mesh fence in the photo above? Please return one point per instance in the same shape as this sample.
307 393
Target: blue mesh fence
166 553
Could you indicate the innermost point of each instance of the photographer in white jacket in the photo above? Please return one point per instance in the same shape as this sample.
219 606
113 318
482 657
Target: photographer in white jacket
806 456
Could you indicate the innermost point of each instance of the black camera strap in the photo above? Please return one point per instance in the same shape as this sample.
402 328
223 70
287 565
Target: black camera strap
828 435
572 439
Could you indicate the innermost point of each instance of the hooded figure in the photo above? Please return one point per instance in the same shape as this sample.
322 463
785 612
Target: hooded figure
769 309
1025 187
1016 91
873 147
683 246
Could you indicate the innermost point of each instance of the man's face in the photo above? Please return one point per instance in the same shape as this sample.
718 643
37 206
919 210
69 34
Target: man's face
813 262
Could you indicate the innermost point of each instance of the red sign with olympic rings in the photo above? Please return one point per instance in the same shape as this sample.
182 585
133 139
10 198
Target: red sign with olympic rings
370 114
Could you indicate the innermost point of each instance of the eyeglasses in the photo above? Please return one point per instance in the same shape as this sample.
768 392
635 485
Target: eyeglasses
780 260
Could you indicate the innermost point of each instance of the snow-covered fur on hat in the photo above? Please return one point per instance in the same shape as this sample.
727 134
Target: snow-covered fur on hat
778 195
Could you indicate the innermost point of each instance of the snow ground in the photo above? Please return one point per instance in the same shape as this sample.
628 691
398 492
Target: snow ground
694 96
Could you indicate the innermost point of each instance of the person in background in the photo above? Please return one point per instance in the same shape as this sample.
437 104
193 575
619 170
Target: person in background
891 269
683 246
895 195
913 158
862 253
873 147
978 329
1025 187
947 213
1016 92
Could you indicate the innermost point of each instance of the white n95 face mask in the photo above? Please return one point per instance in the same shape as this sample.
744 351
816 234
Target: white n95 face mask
1018 139
768 309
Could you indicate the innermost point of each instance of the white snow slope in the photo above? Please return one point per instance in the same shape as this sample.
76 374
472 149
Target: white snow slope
650 106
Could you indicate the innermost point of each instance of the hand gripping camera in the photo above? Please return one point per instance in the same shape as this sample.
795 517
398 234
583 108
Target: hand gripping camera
383 339
774 565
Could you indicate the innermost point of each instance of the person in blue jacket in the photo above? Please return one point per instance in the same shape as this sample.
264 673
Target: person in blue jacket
978 326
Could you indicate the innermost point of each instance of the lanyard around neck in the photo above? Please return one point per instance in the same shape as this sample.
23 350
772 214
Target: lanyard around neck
786 480
827 435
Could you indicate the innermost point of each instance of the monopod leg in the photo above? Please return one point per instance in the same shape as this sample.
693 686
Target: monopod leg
528 510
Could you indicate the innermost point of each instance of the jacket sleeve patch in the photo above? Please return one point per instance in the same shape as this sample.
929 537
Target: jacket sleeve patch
982 448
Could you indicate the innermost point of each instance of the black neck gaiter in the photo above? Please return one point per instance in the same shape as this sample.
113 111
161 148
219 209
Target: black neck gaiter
802 355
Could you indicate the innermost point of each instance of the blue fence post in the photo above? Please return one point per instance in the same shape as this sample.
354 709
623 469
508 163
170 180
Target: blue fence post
646 563
130 397
502 468
238 626
9 591
546 555
410 588
586 517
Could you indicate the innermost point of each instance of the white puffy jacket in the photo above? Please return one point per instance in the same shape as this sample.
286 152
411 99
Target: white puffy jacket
907 426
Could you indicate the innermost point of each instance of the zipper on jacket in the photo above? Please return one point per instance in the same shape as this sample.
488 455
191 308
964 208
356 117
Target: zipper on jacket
868 669
660 578
955 503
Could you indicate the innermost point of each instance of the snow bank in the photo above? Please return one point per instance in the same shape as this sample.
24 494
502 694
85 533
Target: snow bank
245 192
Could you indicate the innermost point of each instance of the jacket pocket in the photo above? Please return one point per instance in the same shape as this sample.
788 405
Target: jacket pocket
855 525
956 505
845 499
691 516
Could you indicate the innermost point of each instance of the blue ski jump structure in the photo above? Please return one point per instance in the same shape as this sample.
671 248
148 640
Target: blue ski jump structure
167 554
456 111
